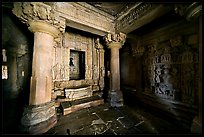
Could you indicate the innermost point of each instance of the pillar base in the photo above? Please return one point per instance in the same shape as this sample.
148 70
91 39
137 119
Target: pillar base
116 98
196 126
38 119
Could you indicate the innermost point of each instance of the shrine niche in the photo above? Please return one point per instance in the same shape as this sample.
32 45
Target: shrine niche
169 70
77 65
78 68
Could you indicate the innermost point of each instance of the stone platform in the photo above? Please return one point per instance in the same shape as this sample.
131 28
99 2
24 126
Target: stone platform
71 106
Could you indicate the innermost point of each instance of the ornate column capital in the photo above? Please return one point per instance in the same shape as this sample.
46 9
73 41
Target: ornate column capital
38 11
115 40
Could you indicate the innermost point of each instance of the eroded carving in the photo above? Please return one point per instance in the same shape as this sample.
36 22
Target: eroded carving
33 11
169 71
35 114
176 41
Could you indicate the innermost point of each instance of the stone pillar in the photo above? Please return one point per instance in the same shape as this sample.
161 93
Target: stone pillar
41 80
115 42
193 12
100 51
102 68
197 121
39 116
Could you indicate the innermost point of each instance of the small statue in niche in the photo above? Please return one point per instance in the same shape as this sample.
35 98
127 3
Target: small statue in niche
71 63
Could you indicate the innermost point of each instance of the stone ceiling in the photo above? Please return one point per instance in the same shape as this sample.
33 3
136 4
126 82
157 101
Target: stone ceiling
112 8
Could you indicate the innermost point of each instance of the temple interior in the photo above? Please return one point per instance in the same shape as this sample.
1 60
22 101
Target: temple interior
101 68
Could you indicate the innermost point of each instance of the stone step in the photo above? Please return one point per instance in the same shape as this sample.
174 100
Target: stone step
71 106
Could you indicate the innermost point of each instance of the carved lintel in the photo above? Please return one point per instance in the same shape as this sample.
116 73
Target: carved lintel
115 38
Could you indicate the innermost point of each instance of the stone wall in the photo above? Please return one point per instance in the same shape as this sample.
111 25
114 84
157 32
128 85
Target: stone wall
171 64
169 70
76 41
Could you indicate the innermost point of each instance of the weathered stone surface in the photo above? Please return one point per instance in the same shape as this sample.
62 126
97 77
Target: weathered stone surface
69 107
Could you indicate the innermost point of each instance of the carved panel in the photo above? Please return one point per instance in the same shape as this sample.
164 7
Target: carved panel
66 70
36 114
170 72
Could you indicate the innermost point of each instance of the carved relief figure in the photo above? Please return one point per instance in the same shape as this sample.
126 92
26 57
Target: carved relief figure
102 71
158 73
56 71
187 57
175 80
166 57
188 83
95 72
166 85
71 63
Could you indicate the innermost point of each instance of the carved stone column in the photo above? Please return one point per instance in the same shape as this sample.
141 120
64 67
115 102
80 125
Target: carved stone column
197 121
115 42
193 12
100 51
40 115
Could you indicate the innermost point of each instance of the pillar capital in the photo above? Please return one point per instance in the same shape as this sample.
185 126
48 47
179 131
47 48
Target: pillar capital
41 26
115 40
38 11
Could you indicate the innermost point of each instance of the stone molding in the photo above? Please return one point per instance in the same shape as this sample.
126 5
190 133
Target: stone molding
35 114
115 40
34 11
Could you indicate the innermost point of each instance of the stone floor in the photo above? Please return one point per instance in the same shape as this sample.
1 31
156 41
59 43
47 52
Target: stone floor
106 120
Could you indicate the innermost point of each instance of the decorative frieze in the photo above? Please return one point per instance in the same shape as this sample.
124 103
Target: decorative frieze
133 15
